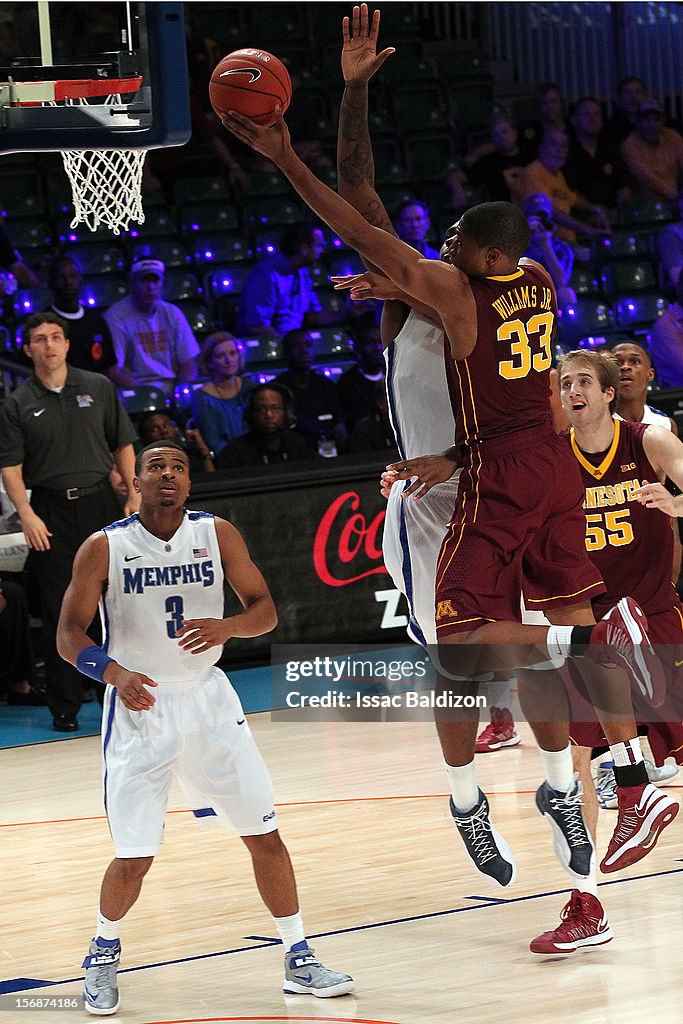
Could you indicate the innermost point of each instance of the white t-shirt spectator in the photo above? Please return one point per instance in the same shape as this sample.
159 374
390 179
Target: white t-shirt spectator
151 347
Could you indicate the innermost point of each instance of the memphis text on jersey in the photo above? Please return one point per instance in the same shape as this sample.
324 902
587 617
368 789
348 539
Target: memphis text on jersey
522 297
137 579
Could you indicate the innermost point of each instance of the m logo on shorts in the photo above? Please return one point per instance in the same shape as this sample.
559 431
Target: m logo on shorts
445 610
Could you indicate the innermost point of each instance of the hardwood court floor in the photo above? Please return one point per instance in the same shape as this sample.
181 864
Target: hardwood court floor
384 886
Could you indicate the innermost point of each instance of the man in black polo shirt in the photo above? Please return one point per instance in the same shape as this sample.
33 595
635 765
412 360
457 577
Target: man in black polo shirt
60 433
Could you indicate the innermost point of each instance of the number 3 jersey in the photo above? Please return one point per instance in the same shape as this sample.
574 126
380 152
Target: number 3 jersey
631 545
503 385
153 586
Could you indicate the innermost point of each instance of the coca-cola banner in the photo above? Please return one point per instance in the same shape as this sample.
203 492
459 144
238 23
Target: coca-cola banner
318 542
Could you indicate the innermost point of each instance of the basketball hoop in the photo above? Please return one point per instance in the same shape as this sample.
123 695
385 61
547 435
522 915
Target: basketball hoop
106 184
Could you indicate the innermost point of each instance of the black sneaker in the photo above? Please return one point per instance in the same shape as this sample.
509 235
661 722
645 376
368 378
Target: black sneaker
571 839
490 854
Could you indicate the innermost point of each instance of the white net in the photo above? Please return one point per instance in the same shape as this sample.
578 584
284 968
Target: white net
106 185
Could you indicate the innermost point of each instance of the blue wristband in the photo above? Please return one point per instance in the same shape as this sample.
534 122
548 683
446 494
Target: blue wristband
92 662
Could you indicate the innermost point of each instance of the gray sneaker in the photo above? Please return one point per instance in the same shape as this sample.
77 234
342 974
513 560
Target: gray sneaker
99 991
305 975
661 776
571 839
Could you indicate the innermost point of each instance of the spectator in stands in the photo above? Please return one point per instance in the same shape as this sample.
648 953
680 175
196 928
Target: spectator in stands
499 170
666 343
218 407
278 294
670 245
269 415
551 252
357 386
374 432
545 175
630 94
153 341
412 224
313 394
17 671
593 168
551 116
158 426
11 261
653 153
90 342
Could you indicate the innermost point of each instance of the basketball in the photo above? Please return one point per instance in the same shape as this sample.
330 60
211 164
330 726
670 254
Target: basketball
252 82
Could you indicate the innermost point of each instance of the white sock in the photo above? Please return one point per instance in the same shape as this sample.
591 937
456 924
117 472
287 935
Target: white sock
627 753
589 884
558 767
107 929
463 783
558 641
290 929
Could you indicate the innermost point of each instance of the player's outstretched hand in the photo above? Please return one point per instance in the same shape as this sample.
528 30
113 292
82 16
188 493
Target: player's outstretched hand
428 471
359 59
131 687
369 285
273 142
198 635
656 496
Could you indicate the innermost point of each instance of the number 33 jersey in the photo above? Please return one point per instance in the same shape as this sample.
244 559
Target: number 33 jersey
504 384
631 545
153 586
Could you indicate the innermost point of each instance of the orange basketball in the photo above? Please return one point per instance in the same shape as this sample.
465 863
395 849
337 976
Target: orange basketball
252 82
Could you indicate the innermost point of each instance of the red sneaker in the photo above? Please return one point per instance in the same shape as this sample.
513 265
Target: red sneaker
644 811
500 732
620 638
583 923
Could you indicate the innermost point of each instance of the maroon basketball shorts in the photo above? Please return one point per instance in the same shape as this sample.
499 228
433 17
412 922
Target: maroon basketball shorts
664 724
518 526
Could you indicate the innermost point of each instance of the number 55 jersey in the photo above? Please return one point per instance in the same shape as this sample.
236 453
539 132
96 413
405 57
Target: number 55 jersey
153 587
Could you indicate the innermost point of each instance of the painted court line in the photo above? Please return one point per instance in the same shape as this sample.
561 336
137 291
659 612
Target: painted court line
33 984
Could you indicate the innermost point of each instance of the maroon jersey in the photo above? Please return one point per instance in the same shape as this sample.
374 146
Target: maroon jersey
631 545
503 385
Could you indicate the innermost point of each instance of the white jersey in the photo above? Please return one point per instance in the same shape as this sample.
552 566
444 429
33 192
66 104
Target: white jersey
653 417
422 418
153 587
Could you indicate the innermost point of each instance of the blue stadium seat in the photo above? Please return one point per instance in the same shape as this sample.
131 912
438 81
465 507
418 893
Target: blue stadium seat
159 223
262 350
583 281
181 286
615 246
198 317
331 300
267 183
207 218
639 311
267 243
619 277
273 210
429 156
419 108
141 399
587 316
182 394
649 210
219 248
102 292
227 280
172 253
31 234
31 300
201 190
99 258
330 341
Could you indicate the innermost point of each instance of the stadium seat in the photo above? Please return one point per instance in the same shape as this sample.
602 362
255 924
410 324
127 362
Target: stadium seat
99 258
142 399
389 164
586 316
345 265
267 243
267 183
31 234
27 202
470 105
200 190
159 223
331 300
404 67
330 341
221 248
463 67
639 311
102 292
169 251
319 274
583 281
182 395
198 317
226 280
283 23
273 210
181 286
207 217
649 210
625 276
615 246
419 108
261 350
31 300
429 156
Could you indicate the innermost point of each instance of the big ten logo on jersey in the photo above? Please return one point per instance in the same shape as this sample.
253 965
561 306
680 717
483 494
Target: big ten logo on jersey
527 340
137 580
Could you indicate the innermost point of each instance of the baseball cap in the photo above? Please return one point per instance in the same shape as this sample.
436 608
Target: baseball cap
650 105
536 203
148 267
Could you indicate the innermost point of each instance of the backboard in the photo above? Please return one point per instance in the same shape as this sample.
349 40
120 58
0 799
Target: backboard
77 76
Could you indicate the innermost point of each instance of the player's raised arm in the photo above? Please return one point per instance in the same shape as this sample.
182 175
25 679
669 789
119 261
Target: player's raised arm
426 280
665 453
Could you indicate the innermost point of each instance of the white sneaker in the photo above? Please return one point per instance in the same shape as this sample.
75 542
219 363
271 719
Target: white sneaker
663 775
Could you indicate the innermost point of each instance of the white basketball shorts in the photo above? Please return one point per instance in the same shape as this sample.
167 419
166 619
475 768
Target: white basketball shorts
197 733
